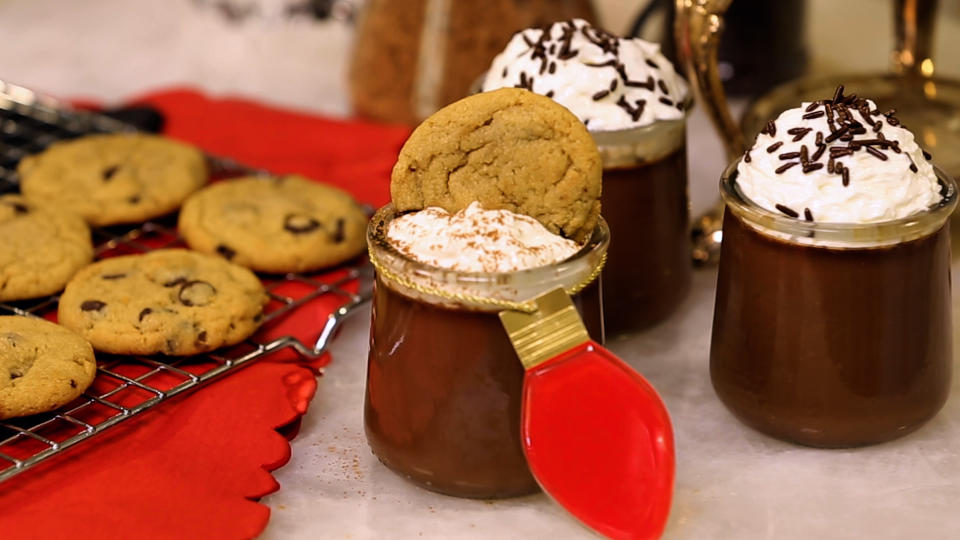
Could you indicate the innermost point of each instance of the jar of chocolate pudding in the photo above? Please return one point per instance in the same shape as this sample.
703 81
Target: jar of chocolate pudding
444 384
645 198
833 334
634 104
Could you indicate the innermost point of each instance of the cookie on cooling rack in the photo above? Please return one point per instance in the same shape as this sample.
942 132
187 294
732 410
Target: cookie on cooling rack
40 248
43 366
115 178
283 224
172 301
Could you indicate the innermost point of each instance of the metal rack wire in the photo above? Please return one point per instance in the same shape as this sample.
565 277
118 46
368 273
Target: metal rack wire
126 386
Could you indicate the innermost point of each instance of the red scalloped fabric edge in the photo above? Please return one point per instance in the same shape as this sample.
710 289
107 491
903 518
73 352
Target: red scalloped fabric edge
195 467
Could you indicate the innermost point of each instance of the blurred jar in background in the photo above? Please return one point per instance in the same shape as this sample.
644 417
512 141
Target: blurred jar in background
762 45
412 57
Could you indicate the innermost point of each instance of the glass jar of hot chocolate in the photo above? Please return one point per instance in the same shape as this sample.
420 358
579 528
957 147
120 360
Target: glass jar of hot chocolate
634 104
443 395
832 325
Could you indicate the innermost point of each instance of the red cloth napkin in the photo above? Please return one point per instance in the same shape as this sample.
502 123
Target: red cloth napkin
194 467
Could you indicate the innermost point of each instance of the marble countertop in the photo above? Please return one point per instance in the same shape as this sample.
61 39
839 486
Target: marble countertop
731 481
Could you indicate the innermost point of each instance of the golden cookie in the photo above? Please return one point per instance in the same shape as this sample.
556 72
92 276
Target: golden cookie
508 149
42 366
116 178
284 224
169 301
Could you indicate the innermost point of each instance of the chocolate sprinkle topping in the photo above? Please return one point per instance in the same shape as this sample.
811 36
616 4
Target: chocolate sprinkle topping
787 210
807 214
774 147
600 95
816 114
781 169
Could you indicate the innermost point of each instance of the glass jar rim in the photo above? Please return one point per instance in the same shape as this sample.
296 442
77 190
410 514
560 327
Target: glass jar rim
574 270
838 234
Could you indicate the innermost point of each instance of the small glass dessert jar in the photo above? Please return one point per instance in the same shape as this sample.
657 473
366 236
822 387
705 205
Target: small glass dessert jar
832 335
443 397
645 198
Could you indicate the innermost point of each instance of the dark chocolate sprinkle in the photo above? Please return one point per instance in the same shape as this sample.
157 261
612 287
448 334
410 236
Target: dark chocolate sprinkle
550 94
665 101
652 64
746 156
813 105
927 155
812 115
812 167
781 169
789 155
846 175
820 149
913 166
807 214
663 87
613 85
787 210
600 95
92 305
774 147
876 153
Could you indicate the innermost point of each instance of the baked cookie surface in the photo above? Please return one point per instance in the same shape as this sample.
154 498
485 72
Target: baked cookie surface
41 248
283 224
507 149
42 366
115 178
172 301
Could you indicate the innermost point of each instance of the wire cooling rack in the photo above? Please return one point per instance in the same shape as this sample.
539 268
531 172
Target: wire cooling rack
126 386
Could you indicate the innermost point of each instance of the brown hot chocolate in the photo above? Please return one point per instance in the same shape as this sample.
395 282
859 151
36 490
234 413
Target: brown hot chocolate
444 384
444 389
650 267
832 347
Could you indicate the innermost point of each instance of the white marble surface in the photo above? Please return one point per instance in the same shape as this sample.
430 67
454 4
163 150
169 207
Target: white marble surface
731 482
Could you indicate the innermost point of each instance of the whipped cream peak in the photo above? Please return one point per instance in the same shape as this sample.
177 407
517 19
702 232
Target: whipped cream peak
610 83
838 160
477 240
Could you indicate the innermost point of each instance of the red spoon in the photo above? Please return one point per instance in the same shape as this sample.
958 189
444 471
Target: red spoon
596 435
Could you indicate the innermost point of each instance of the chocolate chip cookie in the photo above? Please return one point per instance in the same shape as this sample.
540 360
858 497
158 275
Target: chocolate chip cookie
508 149
284 224
117 178
40 248
173 301
42 366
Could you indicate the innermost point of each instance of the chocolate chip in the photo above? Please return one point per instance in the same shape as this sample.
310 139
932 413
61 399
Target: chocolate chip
201 340
113 276
171 346
19 208
176 281
337 237
257 318
196 293
299 224
144 313
228 253
109 172
73 383
92 305
15 374
134 199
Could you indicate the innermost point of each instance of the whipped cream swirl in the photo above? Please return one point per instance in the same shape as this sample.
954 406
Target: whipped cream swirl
477 240
838 160
608 82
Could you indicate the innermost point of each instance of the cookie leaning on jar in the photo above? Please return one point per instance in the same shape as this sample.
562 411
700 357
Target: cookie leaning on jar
495 201
634 104
832 324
